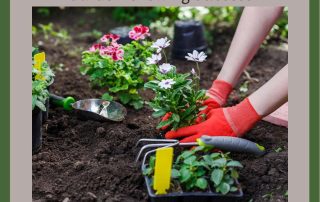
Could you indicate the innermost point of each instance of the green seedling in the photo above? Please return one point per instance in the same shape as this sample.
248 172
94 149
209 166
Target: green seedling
196 169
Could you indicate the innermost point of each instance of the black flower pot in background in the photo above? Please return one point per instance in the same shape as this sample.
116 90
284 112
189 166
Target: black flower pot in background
123 32
36 130
188 36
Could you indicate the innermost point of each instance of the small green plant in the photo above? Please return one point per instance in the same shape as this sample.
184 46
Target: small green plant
42 77
120 68
196 169
48 30
175 93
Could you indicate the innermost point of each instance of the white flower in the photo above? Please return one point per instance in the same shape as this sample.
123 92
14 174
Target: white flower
154 59
165 68
196 56
166 83
161 44
193 72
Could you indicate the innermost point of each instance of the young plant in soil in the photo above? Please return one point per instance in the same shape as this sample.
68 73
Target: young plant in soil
177 95
42 77
198 170
120 68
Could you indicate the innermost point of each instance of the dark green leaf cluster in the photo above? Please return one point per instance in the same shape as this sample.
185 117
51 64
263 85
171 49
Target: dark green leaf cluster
182 100
197 169
122 78
41 78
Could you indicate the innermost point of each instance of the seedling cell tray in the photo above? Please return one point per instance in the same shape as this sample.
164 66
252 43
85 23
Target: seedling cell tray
209 196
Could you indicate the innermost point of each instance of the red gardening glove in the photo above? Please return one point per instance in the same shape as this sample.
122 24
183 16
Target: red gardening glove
218 94
164 118
230 121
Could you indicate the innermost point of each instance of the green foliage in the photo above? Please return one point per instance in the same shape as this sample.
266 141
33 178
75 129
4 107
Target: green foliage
143 15
43 11
183 100
280 29
122 78
42 77
195 169
48 30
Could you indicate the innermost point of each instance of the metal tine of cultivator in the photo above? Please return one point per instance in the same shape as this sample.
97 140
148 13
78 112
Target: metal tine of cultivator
161 145
152 151
155 140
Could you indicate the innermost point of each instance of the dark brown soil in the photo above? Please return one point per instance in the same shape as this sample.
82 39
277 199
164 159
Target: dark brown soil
85 160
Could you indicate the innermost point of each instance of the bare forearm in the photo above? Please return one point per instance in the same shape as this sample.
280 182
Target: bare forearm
272 94
254 25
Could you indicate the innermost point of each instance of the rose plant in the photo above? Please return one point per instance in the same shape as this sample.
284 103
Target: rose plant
42 77
120 68
177 95
196 169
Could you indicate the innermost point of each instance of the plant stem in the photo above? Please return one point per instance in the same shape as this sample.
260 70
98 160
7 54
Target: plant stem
198 76
165 56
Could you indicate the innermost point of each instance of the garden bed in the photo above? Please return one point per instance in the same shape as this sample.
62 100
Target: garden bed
85 160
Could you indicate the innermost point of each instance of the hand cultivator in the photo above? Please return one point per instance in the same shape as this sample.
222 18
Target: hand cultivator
233 144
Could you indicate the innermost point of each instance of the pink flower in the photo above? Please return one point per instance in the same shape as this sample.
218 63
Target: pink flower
95 47
114 51
108 37
118 55
139 32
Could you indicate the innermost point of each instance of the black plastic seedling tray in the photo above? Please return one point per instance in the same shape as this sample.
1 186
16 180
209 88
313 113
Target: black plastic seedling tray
193 196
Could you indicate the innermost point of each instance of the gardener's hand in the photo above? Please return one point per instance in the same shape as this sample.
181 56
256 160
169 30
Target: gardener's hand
231 121
218 95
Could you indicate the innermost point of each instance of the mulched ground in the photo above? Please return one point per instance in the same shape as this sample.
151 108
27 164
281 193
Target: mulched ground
85 160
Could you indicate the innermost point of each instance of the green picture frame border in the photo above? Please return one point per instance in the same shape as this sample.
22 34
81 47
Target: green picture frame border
314 101
5 101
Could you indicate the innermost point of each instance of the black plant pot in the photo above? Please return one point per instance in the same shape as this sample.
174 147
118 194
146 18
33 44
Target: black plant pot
45 114
188 36
123 32
36 130
208 196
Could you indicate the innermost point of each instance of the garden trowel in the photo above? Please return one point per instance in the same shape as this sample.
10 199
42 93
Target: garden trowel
96 109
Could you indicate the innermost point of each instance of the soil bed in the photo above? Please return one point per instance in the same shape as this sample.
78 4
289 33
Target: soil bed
85 160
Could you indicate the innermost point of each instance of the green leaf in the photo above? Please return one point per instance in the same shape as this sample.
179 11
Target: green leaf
216 176
186 154
164 123
234 164
159 113
190 160
152 161
234 174
124 98
185 175
202 183
233 189
147 171
219 162
107 97
224 188
137 104
176 117
175 173
214 155
41 105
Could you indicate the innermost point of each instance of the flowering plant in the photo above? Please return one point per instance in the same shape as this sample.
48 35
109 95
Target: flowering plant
42 77
175 93
120 68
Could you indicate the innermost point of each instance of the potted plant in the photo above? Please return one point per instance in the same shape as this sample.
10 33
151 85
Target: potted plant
177 96
120 68
48 74
42 77
198 175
